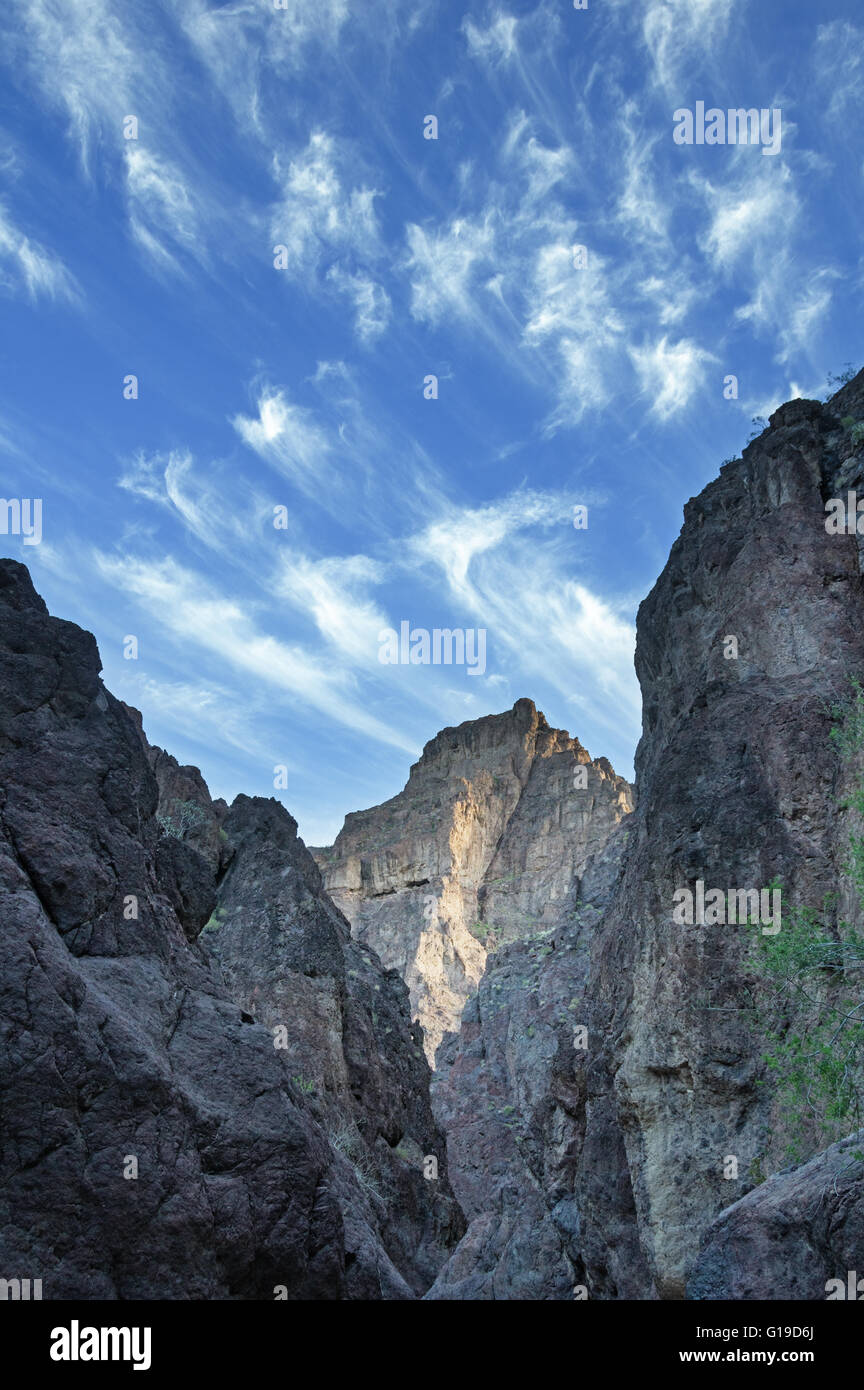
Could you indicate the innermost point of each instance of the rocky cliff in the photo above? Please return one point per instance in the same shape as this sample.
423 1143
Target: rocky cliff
639 1074
485 844
176 1120
211 1086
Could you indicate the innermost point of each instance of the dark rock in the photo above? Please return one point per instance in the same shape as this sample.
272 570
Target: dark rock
119 1047
288 957
792 1235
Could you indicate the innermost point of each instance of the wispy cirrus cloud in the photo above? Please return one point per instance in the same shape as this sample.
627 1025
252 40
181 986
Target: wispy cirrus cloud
372 306
497 42
290 439
670 374
677 32
162 209
218 509
26 264
754 240
838 63
349 465
204 618
98 64
205 712
86 62
334 593
321 215
548 622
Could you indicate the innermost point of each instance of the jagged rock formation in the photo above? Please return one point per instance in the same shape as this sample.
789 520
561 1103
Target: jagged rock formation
122 1050
485 844
186 810
627 1140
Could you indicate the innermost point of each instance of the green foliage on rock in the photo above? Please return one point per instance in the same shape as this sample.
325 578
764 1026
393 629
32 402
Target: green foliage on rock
813 969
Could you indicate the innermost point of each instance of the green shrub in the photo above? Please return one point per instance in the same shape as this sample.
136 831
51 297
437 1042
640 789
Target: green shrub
183 817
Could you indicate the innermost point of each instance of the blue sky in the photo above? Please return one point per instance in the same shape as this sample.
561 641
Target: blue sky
302 387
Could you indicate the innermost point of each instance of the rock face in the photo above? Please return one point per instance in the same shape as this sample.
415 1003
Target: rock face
154 1142
738 786
485 844
800 1235
344 1023
510 1092
618 1149
179 989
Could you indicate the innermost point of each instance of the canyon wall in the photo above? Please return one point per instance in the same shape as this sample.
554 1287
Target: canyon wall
485 844
212 1087
180 1119
626 1098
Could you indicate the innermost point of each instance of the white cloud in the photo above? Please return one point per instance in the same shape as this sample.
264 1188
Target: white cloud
371 301
318 212
26 263
753 239
160 206
321 215
670 374
235 40
289 438
201 617
838 60
201 499
571 308
207 714
98 63
442 266
333 592
518 582
84 57
679 33
744 218
495 44
510 270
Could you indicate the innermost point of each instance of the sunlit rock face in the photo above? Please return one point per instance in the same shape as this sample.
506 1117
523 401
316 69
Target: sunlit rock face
484 845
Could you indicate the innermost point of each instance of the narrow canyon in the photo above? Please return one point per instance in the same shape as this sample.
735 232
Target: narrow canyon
466 1052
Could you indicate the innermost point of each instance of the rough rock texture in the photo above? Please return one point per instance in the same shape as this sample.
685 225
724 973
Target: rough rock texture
791 1235
737 785
510 1092
288 958
186 810
485 844
119 1043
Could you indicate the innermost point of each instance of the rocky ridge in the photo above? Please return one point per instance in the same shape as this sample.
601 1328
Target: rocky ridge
485 844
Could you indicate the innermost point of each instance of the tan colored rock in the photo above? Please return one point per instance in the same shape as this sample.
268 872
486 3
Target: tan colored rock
485 844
